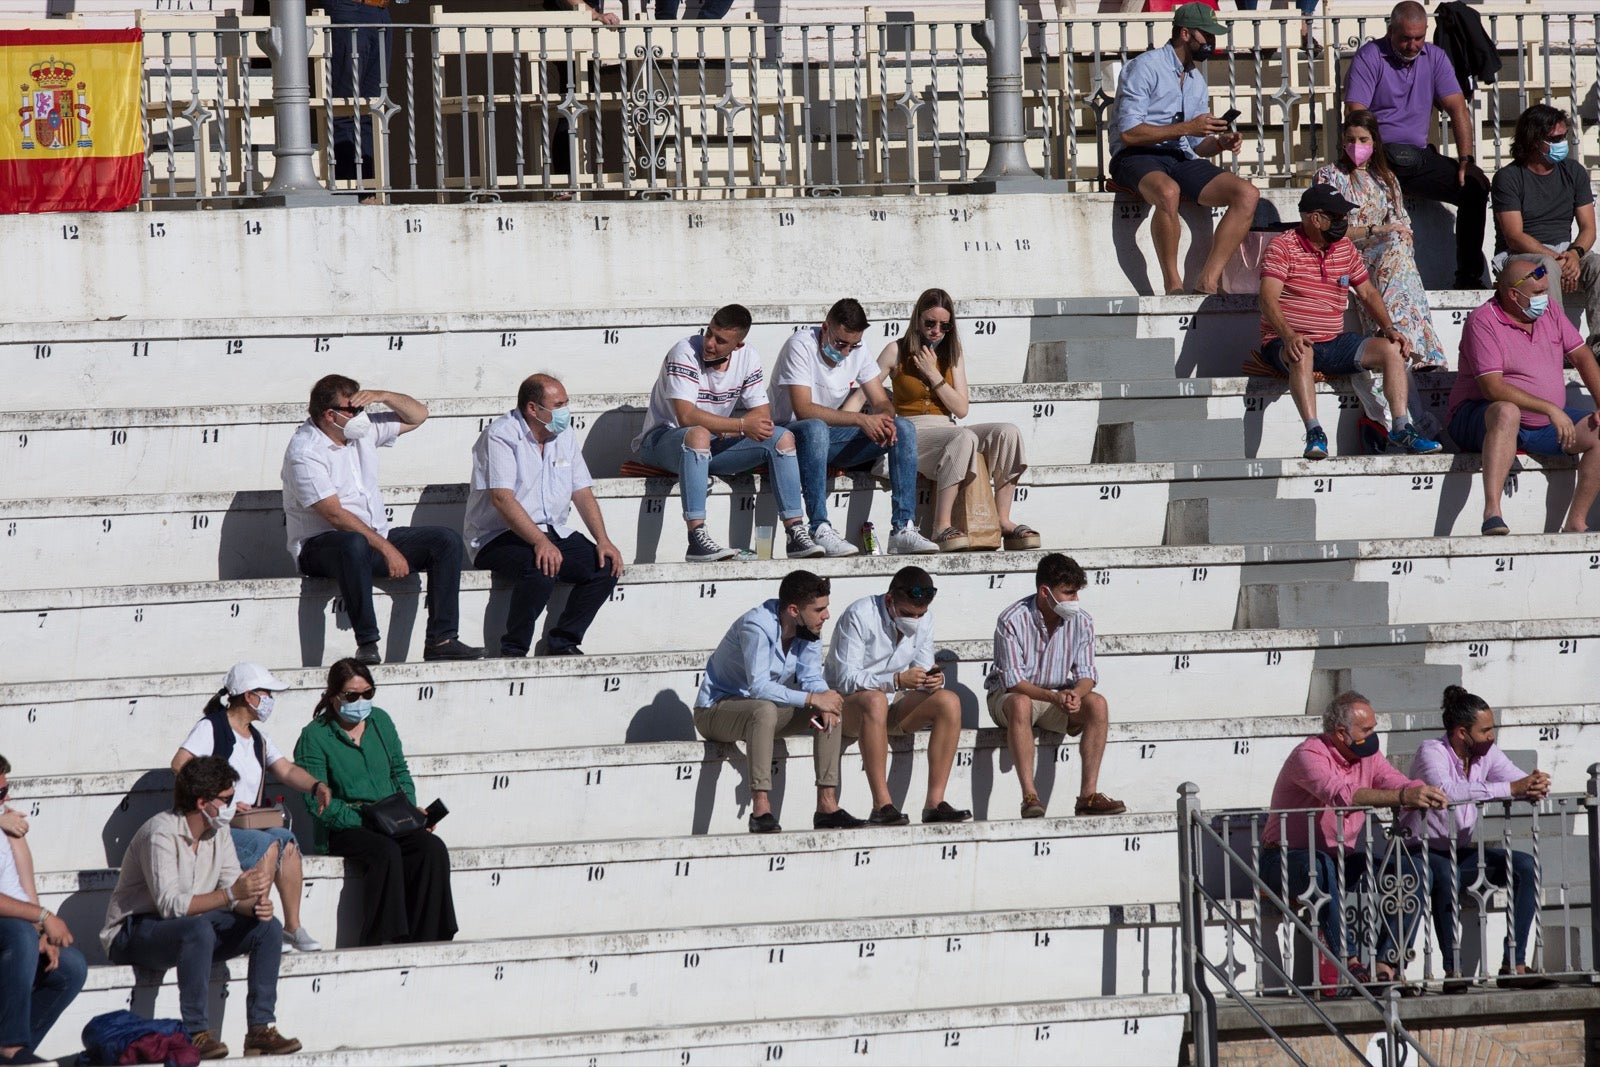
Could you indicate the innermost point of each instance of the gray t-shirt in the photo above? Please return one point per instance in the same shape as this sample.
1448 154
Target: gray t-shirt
1548 202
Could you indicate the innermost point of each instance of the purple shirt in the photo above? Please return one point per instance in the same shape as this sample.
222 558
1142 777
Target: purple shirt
1492 343
1401 95
1316 775
1437 764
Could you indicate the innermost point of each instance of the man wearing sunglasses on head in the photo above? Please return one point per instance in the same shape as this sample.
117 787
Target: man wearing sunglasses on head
881 660
337 525
1511 390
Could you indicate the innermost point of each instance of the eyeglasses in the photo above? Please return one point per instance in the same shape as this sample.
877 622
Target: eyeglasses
357 694
1532 276
930 325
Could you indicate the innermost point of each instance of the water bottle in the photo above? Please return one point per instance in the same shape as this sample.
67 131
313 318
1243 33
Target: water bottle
869 540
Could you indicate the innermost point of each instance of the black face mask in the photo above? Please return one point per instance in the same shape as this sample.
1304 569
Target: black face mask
803 634
1337 228
1202 50
1366 747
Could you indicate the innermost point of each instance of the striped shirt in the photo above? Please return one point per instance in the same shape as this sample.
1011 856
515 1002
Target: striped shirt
719 391
1316 284
1025 650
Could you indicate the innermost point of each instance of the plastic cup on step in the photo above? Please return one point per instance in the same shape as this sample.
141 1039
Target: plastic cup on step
764 542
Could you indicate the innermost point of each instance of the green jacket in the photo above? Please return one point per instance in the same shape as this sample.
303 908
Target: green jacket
356 774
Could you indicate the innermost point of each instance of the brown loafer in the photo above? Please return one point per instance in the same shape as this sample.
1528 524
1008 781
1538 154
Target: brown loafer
207 1045
266 1041
1099 804
1031 808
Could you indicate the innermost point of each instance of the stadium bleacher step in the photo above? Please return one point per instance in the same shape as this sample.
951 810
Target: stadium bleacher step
1299 603
1157 440
1099 359
1229 520
1392 686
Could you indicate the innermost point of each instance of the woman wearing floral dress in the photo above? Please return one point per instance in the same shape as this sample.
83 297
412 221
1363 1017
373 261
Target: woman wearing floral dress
1381 230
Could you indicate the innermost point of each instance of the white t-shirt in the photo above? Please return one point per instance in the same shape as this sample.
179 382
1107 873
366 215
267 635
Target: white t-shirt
736 384
800 362
10 881
241 759
314 468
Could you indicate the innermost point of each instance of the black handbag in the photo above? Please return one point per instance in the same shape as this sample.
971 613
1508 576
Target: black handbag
394 815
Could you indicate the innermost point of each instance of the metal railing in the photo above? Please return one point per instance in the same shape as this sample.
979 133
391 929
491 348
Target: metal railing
1257 918
743 108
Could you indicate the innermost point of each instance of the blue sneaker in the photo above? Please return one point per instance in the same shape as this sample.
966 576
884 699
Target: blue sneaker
1410 441
1316 444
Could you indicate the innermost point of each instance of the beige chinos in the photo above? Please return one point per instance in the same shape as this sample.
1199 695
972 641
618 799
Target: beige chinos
947 453
756 723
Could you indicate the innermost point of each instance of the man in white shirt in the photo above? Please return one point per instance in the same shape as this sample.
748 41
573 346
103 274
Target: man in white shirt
337 524
182 901
818 368
528 474
40 971
690 430
883 650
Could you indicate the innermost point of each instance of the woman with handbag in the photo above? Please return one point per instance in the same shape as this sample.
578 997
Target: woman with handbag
928 380
373 818
260 831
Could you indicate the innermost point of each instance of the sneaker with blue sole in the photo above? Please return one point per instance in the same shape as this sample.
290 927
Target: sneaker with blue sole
1413 443
1316 444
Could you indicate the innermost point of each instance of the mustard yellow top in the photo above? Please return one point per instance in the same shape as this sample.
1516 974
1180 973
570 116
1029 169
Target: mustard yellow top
912 395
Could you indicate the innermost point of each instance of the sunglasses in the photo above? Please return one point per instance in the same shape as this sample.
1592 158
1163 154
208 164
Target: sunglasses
922 594
350 409
357 694
930 325
1532 276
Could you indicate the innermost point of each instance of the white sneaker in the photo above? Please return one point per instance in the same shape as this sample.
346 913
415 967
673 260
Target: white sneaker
301 941
908 540
834 545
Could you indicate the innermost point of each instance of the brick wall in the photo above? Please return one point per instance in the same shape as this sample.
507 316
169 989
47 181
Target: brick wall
1545 1043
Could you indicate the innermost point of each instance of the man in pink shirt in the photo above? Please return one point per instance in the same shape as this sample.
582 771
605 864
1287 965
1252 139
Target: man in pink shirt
1342 768
1511 390
1469 767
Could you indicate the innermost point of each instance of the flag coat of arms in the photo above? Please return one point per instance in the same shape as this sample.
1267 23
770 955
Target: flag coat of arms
72 138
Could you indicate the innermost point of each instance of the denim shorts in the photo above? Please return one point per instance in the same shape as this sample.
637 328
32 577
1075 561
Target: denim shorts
1467 430
251 845
1129 167
1337 355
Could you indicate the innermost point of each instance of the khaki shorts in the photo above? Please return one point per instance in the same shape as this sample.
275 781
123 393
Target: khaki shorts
1046 716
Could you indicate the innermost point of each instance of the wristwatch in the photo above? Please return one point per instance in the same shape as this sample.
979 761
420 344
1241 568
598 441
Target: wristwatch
1469 158
1582 251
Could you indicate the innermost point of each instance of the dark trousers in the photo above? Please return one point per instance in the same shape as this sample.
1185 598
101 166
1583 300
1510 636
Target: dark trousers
1435 177
193 943
1399 881
1447 887
406 885
358 58
32 998
348 558
511 557
709 9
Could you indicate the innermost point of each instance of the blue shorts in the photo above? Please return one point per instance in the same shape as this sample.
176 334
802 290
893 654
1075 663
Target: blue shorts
1337 355
251 845
1129 166
1467 430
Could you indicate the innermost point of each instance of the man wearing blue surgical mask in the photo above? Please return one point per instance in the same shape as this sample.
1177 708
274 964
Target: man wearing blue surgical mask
528 473
1538 197
338 526
1511 391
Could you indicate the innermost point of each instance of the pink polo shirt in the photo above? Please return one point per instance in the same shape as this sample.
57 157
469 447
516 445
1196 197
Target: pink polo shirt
1493 343
1316 776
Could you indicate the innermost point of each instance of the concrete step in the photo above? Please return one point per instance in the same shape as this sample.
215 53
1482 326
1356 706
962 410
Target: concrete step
694 976
1401 687
1098 360
1276 604
1178 439
1219 520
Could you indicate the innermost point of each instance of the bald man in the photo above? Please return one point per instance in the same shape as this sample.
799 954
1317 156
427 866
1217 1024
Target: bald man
528 474
1401 78
1511 390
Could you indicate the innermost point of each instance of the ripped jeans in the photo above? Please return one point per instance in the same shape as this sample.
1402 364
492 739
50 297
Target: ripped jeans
663 447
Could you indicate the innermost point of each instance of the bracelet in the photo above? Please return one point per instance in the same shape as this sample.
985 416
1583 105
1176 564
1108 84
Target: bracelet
44 914
227 891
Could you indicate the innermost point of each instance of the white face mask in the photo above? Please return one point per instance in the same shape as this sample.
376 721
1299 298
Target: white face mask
907 627
224 815
1067 609
264 707
357 427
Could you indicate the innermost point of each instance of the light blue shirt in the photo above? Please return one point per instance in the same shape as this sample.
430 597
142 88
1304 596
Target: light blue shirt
508 456
1155 88
750 663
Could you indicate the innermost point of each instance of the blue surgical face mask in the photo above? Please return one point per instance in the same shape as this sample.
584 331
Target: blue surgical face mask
356 711
560 420
1537 305
832 354
1555 151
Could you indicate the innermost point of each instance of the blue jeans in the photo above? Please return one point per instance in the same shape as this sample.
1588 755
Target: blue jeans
821 446
194 943
1307 7
511 557
32 998
709 9
357 54
347 557
1396 930
1444 891
663 447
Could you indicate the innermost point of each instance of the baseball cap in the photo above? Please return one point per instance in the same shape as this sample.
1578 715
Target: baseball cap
1324 197
244 677
1197 16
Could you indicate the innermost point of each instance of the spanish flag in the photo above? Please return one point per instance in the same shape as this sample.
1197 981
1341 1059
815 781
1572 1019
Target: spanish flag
71 138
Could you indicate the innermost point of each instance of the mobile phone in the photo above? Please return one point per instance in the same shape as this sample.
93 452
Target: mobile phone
816 723
1230 116
436 811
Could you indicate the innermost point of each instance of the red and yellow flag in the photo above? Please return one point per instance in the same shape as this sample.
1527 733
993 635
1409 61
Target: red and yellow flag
71 138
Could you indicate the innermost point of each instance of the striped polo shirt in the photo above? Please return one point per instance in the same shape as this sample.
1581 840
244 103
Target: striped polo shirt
1316 284
1025 650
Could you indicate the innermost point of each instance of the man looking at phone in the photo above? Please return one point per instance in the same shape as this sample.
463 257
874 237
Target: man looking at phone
1162 128
181 900
1043 675
882 660
765 679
